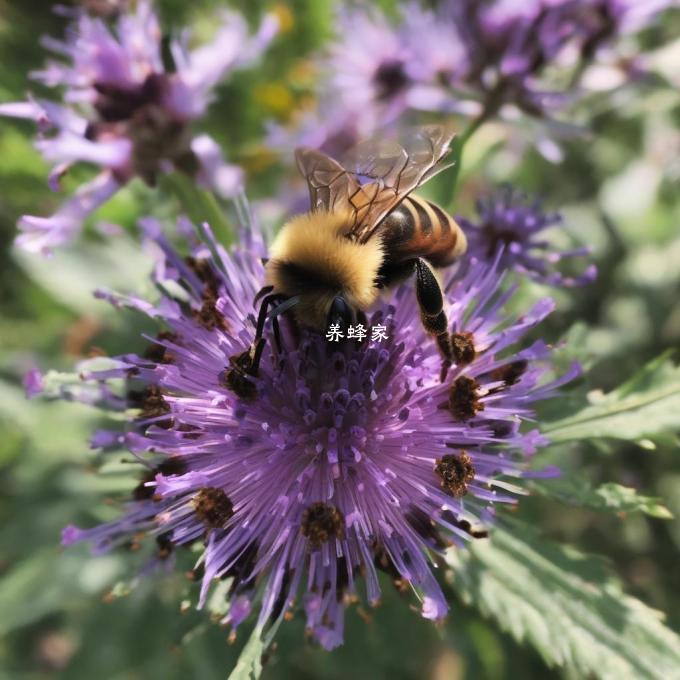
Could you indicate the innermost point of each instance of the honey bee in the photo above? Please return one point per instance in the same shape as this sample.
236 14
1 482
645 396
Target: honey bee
365 232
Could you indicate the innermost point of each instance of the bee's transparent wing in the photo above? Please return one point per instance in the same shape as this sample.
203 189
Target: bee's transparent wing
330 185
387 171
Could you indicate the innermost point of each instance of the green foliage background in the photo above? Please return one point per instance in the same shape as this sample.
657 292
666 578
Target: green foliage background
619 188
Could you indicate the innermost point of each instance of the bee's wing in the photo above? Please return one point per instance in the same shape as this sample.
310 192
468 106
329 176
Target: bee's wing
330 185
386 172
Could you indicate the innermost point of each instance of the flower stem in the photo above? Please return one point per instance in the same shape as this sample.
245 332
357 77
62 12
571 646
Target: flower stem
458 146
200 205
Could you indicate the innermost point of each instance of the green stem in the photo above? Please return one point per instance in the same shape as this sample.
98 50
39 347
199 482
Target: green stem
458 146
200 205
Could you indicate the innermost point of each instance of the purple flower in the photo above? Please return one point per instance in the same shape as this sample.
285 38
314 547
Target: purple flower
125 113
507 59
335 462
508 44
374 73
509 229
511 43
33 383
604 20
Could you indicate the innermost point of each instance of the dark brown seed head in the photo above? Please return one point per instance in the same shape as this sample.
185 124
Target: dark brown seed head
510 373
464 400
425 527
213 507
165 546
209 316
384 562
204 271
159 353
171 466
152 404
463 348
237 377
455 472
321 522
239 383
467 527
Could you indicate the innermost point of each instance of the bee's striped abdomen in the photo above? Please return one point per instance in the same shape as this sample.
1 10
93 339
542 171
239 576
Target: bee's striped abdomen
418 228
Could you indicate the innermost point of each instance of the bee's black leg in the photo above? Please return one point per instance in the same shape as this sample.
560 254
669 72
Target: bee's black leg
255 351
267 300
431 303
263 291
248 363
257 355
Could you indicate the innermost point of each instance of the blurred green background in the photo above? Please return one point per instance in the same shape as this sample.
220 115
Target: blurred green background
58 616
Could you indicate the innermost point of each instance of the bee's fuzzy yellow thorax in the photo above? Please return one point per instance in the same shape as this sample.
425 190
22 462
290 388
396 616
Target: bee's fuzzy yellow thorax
315 243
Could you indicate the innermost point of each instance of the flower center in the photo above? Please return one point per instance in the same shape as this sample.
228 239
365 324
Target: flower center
456 472
390 78
114 103
321 522
141 114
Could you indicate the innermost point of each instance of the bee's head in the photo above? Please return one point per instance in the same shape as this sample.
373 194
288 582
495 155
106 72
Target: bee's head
312 260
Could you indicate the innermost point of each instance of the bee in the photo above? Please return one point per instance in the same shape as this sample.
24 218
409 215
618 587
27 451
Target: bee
365 233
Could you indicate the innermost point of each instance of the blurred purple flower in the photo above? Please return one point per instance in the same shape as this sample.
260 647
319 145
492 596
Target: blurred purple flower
374 73
338 460
33 383
479 58
124 112
509 44
509 229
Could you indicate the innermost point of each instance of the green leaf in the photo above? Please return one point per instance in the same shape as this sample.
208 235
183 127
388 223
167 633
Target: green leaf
249 664
72 274
565 604
250 661
608 497
646 405
47 582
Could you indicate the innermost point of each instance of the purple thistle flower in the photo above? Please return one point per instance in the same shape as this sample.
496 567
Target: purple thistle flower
338 460
374 73
125 113
510 43
509 229
33 383
480 58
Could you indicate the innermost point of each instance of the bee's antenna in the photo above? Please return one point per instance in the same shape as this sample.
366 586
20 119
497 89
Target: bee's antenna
284 306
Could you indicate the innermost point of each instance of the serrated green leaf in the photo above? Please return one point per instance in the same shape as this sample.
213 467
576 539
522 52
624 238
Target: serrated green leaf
646 405
565 604
608 497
